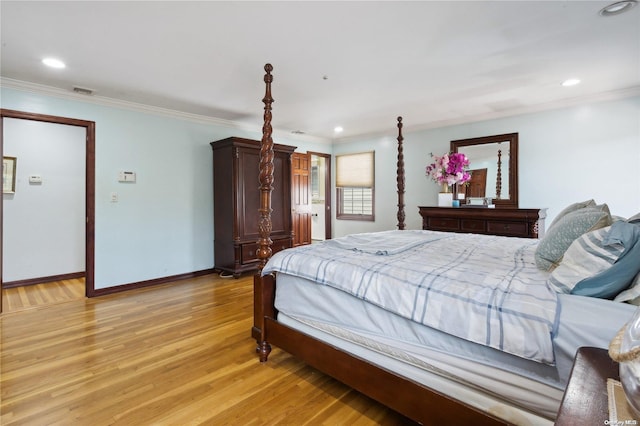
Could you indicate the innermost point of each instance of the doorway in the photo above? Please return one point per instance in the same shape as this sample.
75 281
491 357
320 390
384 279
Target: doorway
89 186
476 187
321 211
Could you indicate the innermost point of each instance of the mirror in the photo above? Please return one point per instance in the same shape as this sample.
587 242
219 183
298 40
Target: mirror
493 161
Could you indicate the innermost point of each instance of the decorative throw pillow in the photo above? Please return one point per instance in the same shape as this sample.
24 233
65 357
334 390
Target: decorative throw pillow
571 208
558 238
586 256
610 282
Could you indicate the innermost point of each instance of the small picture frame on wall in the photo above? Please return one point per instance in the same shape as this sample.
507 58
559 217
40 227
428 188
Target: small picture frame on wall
9 175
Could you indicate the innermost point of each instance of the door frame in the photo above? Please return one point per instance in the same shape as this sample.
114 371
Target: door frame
328 193
90 166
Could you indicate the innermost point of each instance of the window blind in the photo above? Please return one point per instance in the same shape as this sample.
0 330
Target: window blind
355 170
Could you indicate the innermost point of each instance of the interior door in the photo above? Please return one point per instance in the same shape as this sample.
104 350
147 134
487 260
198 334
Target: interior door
301 198
320 196
477 186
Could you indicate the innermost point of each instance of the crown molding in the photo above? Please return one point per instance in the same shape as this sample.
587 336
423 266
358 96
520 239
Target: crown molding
280 133
529 109
41 89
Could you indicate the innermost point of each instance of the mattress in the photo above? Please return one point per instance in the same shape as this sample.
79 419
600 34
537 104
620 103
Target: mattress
483 288
516 389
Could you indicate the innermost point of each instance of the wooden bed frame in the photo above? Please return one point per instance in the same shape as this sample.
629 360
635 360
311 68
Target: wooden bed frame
414 400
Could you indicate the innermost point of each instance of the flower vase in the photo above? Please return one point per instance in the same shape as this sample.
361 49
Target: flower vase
445 197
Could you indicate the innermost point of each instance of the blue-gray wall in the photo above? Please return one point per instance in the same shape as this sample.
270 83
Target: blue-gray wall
163 224
566 155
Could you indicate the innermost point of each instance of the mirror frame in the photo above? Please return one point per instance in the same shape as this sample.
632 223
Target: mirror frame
512 138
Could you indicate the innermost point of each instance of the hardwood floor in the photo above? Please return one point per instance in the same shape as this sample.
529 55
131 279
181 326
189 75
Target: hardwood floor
175 354
38 295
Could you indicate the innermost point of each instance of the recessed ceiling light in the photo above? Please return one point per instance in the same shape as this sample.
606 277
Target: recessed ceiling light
53 63
338 129
570 82
617 8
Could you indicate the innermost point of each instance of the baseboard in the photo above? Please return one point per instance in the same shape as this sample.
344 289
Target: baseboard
140 284
40 280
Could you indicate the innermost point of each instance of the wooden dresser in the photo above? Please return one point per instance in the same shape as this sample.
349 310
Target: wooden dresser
236 199
525 223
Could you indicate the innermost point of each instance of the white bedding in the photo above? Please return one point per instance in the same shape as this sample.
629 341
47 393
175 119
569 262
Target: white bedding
469 315
520 390
483 288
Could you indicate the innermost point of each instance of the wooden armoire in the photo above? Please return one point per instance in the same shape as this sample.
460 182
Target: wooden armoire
236 199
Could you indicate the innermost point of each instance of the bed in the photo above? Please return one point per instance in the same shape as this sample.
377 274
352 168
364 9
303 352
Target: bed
475 334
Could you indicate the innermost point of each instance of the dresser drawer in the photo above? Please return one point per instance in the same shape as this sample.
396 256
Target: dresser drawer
472 225
512 229
281 244
523 223
443 224
248 250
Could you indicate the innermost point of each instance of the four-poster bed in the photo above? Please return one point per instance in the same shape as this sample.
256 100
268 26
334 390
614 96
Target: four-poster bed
431 376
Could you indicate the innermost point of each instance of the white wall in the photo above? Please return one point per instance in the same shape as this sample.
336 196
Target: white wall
565 155
163 223
44 223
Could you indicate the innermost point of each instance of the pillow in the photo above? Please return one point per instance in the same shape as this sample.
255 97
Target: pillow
623 233
615 218
610 282
632 294
559 237
586 256
571 208
634 219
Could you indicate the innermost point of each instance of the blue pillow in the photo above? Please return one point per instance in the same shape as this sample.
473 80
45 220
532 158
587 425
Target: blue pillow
608 283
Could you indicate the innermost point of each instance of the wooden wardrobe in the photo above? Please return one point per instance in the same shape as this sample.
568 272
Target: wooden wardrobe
236 200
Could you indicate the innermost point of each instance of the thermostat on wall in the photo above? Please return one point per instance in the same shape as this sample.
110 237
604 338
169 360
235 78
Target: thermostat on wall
127 177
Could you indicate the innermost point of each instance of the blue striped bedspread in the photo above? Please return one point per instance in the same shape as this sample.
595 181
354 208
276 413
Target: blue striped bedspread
482 288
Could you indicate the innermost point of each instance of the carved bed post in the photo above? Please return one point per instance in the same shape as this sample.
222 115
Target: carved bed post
264 287
499 175
400 177
266 176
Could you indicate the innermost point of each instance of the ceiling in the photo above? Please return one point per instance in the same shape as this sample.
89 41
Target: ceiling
352 64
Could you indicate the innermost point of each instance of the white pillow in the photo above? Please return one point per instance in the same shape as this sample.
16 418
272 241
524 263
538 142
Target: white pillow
585 257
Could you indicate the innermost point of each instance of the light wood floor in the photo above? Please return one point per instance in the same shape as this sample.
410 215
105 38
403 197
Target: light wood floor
38 295
175 354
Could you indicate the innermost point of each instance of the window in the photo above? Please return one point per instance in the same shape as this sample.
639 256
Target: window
355 186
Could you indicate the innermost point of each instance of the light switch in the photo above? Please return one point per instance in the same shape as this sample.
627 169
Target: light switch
114 197
35 179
